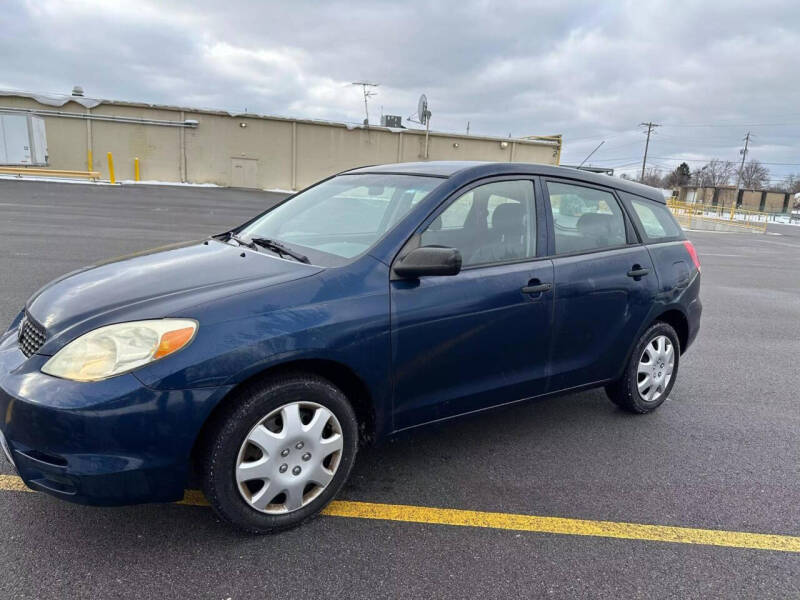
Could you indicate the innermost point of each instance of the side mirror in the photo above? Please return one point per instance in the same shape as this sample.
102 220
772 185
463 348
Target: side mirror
429 260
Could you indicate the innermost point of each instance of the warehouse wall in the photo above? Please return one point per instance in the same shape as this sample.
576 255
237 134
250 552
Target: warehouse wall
267 152
776 202
157 148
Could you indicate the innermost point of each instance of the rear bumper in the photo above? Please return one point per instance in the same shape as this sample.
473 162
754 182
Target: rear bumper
107 443
694 310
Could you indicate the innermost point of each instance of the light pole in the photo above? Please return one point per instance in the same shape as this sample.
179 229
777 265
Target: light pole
698 176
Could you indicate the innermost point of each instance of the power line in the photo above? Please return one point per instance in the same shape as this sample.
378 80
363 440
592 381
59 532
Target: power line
597 137
732 124
782 164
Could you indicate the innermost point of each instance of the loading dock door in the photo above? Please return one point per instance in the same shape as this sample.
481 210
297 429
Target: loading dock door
15 144
244 172
22 140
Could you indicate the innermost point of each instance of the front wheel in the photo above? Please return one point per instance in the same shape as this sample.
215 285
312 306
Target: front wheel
650 372
279 452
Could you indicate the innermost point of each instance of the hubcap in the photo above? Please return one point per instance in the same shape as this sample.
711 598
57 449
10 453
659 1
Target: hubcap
289 457
655 368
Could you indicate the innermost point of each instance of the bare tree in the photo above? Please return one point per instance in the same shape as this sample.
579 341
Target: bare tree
754 176
791 183
716 173
652 177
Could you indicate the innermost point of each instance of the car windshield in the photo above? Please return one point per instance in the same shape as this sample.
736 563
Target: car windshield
342 217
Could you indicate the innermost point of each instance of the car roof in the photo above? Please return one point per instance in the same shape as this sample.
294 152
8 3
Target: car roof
450 168
435 168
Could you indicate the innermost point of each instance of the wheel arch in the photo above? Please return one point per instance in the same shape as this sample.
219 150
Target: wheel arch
679 322
339 374
672 316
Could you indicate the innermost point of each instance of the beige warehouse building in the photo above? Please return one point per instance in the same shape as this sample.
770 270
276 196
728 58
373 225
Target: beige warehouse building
190 145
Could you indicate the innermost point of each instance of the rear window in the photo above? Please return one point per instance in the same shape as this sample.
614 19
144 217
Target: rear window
655 219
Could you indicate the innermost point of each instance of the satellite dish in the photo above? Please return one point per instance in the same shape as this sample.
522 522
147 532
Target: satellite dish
422 109
423 118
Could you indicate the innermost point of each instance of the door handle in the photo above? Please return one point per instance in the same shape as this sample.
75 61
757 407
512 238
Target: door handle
638 271
536 287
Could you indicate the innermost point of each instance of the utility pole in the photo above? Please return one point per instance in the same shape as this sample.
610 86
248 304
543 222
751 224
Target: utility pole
735 202
650 127
367 94
741 167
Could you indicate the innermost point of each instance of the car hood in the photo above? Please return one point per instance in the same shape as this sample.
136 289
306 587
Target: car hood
154 284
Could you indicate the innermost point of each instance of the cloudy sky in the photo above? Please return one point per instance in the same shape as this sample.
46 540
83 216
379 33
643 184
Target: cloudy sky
706 71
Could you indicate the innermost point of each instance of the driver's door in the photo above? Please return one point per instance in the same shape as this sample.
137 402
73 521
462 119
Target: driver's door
466 342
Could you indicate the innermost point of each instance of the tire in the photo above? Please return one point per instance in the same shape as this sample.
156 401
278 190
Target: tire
655 381
258 446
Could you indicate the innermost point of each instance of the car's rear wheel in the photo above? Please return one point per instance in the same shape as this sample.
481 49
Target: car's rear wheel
650 373
278 452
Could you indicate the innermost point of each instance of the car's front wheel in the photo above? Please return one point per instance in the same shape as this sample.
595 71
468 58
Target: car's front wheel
650 372
278 452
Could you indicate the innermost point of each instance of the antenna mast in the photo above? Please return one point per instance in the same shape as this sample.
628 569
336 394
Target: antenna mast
365 85
590 153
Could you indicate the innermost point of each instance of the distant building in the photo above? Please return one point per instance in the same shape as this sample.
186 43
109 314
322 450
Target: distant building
239 149
725 196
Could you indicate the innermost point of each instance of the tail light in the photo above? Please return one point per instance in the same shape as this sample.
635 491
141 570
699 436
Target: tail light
693 253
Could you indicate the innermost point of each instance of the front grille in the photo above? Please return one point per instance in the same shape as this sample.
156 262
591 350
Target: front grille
31 336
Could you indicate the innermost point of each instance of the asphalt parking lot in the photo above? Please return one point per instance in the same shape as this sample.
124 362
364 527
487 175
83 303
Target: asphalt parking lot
722 453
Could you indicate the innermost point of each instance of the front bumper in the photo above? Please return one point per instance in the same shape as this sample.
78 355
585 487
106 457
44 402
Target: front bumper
105 443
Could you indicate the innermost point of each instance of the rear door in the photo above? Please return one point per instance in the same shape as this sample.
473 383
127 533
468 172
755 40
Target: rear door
482 337
604 283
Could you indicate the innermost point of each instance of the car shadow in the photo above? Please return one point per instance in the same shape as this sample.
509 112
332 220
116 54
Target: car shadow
450 463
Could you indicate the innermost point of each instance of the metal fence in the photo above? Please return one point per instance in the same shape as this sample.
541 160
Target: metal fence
690 215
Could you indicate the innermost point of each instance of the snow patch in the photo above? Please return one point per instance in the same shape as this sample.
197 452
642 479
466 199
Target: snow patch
102 182
169 183
54 99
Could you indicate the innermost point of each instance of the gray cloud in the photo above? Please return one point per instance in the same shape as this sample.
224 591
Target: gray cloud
589 70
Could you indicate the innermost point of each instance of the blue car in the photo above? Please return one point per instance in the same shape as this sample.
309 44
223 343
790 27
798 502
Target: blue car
378 300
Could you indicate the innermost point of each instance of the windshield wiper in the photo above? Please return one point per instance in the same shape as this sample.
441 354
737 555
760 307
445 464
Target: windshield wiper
248 243
269 244
279 248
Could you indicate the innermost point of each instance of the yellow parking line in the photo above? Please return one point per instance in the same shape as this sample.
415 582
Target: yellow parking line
562 526
530 523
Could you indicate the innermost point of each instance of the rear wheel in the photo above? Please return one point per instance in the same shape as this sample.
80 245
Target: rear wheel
650 373
279 452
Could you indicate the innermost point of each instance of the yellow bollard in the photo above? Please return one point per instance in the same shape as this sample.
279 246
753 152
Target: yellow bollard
111 177
89 160
136 169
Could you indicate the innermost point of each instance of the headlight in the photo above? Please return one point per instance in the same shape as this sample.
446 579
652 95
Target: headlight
119 348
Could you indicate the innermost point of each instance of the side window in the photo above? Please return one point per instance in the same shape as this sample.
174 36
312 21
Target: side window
455 217
491 223
655 219
585 218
